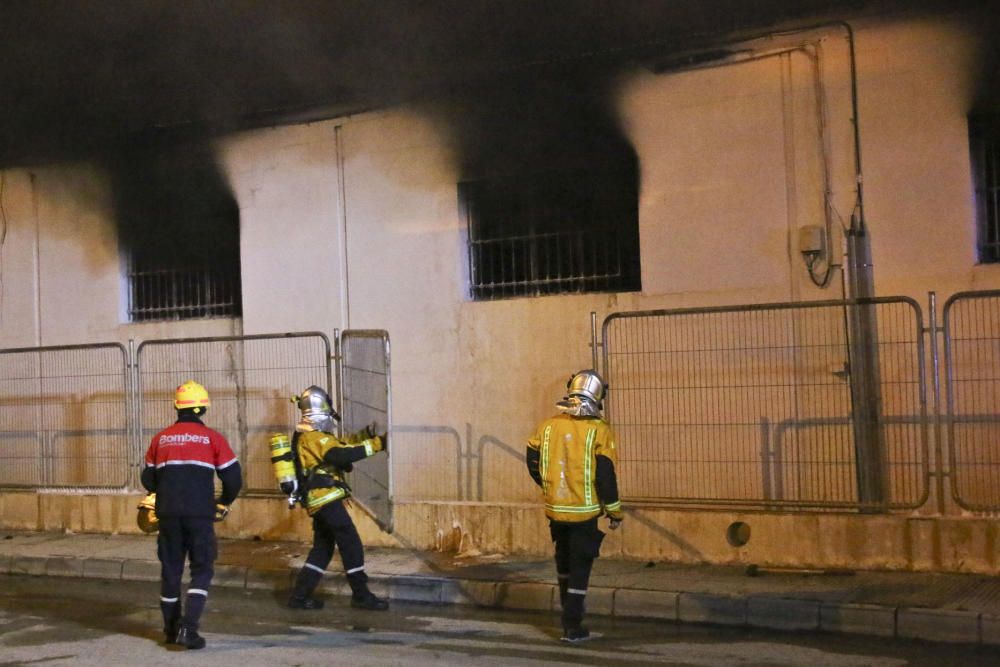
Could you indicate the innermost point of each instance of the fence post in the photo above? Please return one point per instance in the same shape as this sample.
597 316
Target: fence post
866 395
940 468
132 424
335 386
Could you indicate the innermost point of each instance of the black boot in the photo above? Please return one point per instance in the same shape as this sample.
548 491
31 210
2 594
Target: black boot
369 601
361 596
304 603
189 638
171 619
575 634
572 618
305 584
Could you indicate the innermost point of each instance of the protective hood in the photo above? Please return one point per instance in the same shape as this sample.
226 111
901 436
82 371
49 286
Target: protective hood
578 406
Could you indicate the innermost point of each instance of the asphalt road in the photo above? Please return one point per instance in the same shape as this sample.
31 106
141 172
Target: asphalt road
49 621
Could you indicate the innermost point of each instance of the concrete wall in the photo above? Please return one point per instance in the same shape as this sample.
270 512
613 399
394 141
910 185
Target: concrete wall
354 223
820 541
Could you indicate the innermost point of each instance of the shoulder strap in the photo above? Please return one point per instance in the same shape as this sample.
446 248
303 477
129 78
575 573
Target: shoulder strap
300 475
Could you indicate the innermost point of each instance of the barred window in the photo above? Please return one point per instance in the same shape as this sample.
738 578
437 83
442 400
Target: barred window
163 288
984 143
179 229
572 231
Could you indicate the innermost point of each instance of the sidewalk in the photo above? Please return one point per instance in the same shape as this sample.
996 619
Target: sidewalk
933 607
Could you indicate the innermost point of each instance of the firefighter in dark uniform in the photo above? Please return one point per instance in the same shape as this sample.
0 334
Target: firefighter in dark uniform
572 457
181 465
322 461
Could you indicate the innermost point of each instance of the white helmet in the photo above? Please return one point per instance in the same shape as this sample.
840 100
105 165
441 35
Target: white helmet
317 412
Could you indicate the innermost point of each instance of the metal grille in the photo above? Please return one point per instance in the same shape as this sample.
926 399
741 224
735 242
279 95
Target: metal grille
365 400
63 417
752 405
250 380
163 290
984 143
559 233
507 480
972 366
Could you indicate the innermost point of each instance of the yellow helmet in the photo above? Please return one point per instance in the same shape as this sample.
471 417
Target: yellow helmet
191 395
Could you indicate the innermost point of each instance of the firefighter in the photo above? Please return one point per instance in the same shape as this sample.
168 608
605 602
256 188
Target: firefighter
572 457
322 459
181 465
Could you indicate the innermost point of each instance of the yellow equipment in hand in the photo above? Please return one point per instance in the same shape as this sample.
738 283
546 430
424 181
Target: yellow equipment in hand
147 519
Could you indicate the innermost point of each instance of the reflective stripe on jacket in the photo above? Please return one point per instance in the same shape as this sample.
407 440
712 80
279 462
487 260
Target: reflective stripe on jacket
568 448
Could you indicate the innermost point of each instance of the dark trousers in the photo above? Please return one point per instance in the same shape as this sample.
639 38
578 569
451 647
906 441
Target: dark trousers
185 538
577 545
333 529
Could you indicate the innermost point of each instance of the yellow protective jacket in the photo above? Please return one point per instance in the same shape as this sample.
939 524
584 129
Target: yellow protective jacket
573 459
324 458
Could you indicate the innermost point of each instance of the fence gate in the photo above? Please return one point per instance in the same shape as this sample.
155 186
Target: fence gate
756 406
63 417
250 380
365 398
972 368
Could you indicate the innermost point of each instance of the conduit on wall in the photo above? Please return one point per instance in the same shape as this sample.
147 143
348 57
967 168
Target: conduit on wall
860 321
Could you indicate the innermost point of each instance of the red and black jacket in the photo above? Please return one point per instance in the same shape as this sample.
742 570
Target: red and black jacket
181 464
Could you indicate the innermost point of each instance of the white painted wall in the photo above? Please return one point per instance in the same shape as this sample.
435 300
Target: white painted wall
61 268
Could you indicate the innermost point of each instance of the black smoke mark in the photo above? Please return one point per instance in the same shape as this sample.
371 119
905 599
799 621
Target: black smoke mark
551 122
172 202
80 75
986 93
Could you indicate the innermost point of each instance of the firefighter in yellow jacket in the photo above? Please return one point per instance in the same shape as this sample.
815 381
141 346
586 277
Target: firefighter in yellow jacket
572 457
322 461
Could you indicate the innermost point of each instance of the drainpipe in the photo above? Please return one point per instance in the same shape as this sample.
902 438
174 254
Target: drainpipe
345 288
862 330
866 394
866 386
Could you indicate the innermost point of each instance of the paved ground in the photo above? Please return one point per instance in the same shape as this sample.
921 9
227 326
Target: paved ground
100 622
932 607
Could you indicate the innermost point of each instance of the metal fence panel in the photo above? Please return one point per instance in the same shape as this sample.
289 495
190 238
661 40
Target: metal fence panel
250 380
428 463
365 398
63 417
972 369
752 405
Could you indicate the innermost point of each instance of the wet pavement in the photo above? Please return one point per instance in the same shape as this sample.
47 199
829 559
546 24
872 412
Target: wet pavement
954 608
74 621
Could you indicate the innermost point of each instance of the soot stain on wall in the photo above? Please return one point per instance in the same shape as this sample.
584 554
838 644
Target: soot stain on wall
172 200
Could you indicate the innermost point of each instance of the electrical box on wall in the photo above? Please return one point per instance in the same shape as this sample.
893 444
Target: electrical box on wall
812 240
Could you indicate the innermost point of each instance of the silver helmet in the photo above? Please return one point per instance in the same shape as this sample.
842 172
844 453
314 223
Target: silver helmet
587 384
317 411
585 395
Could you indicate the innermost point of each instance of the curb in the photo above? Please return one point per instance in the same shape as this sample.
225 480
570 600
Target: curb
754 611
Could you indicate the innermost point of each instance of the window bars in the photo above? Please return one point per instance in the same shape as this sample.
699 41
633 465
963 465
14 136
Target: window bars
566 232
161 289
